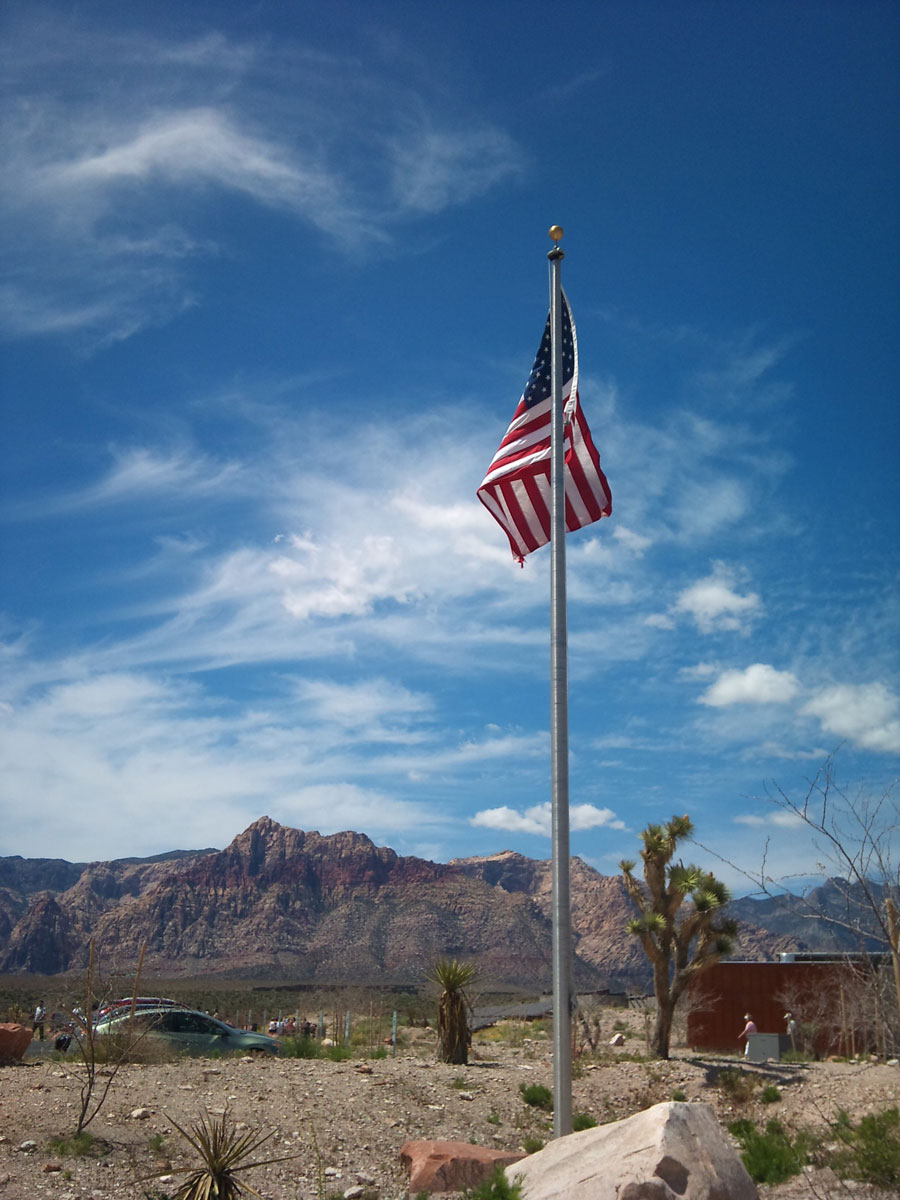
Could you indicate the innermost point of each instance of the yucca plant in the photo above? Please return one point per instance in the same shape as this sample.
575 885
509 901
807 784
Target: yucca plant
224 1153
452 977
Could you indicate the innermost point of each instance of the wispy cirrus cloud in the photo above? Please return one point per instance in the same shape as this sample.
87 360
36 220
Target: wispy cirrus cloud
139 473
95 172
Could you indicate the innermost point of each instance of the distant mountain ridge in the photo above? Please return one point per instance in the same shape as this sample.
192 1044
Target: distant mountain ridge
283 903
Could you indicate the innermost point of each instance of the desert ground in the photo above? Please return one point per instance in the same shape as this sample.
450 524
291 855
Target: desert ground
343 1123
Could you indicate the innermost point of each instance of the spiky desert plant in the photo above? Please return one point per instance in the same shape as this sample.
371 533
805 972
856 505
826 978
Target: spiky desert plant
679 944
224 1153
453 977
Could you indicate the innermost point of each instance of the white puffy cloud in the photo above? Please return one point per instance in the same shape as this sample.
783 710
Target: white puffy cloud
867 714
715 604
756 684
537 819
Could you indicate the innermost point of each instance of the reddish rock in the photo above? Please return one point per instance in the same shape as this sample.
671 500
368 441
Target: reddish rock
451 1166
14 1041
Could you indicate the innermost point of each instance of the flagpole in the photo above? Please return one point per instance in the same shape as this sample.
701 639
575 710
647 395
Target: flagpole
563 996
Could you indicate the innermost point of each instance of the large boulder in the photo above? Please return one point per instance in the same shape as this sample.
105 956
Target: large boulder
14 1041
450 1166
669 1152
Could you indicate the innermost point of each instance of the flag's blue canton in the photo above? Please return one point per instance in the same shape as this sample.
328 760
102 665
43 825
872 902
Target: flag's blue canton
538 387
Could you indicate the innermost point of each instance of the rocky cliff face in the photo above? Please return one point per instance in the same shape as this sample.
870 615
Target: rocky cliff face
280 902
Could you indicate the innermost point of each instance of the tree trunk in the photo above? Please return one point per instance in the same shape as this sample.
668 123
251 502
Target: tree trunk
662 1032
453 1028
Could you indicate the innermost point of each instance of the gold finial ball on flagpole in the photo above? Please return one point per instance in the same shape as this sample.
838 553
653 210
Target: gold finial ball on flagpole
556 232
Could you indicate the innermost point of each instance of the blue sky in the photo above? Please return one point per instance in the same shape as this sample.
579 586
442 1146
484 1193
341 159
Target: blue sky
274 278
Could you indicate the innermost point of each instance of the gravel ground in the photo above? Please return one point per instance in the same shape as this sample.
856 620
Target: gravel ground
346 1121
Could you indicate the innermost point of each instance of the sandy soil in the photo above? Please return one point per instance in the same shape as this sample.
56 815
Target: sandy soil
346 1121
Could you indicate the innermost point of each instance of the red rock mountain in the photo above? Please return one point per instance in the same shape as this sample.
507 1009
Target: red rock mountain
282 903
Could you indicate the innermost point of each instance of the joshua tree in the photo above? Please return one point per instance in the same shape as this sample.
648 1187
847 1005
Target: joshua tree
452 977
678 950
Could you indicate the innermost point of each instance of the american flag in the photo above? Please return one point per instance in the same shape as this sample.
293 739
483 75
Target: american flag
516 488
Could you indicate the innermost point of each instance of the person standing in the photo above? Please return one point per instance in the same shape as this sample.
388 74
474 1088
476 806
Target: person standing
37 1025
749 1027
793 1029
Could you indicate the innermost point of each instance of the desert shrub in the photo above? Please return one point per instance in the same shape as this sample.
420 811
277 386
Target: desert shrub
131 1045
459 1083
582 1120
498 1187
770 1094
493 1117
156 1143
531 1145
770 1155
871 1149
338 1053
796 1056
634 1056
537 1096
737 1085
78 1145
301 1047
678 1094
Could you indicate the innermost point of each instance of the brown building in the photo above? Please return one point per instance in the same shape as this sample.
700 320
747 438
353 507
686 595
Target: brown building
829 997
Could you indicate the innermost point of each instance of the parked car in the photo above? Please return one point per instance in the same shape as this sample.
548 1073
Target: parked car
188 1030
139 1002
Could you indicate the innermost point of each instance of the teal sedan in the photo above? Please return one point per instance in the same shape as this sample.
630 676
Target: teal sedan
188 1030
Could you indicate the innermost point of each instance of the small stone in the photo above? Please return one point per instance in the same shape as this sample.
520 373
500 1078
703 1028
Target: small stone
139 1114
364 1176
354 1193
28 1145
333 1172
466 1096
48 1168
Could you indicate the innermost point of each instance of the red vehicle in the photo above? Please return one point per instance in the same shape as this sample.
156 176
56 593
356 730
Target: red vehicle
139 1002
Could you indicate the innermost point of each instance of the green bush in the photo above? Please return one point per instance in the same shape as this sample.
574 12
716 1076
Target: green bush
679 1095
301 1047
770 1156
537 1095
497 1187
770 1094
531 1145
338 1053
737 1085
79 1145
871 1150
582 1120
